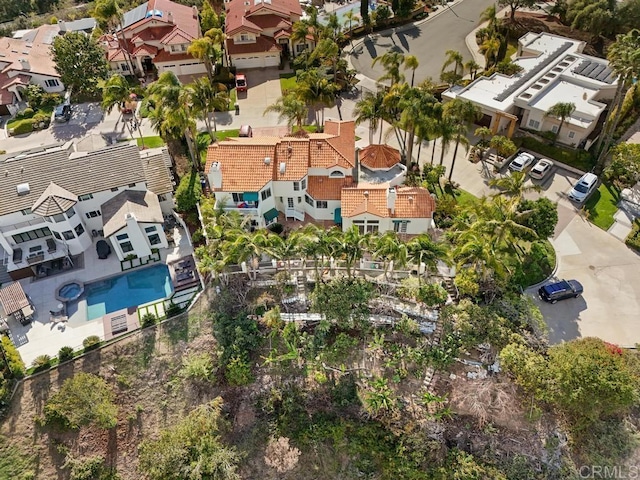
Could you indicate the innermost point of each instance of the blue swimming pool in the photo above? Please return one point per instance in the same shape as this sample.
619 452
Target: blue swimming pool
128 290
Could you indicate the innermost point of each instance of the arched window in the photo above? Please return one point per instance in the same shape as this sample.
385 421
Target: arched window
336 174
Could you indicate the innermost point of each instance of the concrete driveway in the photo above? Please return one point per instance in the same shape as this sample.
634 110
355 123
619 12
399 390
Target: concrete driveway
610 273
263 90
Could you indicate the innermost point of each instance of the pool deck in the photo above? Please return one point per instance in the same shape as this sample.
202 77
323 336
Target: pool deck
45 337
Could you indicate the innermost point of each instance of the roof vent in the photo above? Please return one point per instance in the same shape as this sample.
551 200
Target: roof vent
267 160
319 144
283 167
366 194
23 188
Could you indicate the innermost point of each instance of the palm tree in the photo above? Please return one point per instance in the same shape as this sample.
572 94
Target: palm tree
448 132
290 108
380 398
472 67
513 185
316 91
456 59
490 49
411 62
206 50
490 15
415 105
350 247
463 113
283 249
504 146
624 60
351 17
483 133
423 250
205 98
391 62
476 251
328 53
560 110
246 248
109 15
390 248
115 91
370 108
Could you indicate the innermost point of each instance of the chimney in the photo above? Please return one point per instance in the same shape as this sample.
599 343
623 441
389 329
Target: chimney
170 17
356 166
215 176
391 199
25 64
195 12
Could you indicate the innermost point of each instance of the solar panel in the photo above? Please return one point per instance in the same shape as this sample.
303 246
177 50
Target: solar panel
533 72
135 15
596 71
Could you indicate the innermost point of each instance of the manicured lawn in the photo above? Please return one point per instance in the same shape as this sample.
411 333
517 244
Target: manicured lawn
13 123
151 142
602 205
287 82
233 96
575 158
464 198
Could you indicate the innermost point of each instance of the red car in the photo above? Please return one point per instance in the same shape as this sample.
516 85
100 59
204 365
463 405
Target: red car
241 83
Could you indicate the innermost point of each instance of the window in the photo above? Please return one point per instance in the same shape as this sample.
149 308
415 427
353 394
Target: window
68 235
26 211
301 47
162 198
534 124
124 67
57 235
299 199
122 236
372 226
114 189
572 134
290 202
400 227
238 197
336 174
154 239
308 199
31 235
321 204
360 225
244 37
52 82
150 229
79 229
126 247
554 129
93 214
131 185
304 184
70 213
174 48
59 218
88 196
265 194
296 186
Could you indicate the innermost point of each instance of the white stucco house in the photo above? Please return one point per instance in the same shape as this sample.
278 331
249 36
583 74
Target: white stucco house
318 177
554 70
57 201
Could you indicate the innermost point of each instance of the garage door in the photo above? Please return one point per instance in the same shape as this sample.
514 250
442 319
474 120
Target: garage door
165 67
192 68
249 62
272 61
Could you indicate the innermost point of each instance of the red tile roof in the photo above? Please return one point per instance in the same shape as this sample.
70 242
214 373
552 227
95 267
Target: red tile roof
379 157
411 202
294 153
327 188
270 21
182 15
237 10
164 56
176 37
262 44
144 50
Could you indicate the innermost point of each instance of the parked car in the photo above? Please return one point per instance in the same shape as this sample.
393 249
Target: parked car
583 188
541 169
245 131
241 82
62 113
522 162
560 290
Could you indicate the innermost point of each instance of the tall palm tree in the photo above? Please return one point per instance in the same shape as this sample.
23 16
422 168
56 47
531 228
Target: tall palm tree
370 108
316 91
456 59
483 133
205 98
246 248
463 113
350 247
472 67
423 250
390 248
490 49
561 110
415 105
351 17
513 185
490 15
624 60
448 130
109 15
290 108
115 91
411 62
391 62
283 249
206 50
504 146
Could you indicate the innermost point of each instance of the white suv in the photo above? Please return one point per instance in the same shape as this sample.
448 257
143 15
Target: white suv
583 188
522 162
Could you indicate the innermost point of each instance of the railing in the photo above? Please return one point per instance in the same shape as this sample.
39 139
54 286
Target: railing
243 211
293 213
17 226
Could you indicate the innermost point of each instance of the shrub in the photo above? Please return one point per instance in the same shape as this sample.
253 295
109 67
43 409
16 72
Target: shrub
432 294
91 343
89 468
197 236
65 353
238 371
188 192
22 127
42 362
148 319
633 239
53 20
14 360
198 367
276 228
172 310
26 113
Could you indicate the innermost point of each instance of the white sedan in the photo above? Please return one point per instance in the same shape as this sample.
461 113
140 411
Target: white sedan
522 161
541 169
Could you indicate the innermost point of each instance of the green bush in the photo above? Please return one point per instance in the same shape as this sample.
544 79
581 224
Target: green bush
148 319
26 113
238 371
276 228
14 360
172 310
198 367
432 294
188 192
91 343
633 239
197 236
42 362
65 353
23 126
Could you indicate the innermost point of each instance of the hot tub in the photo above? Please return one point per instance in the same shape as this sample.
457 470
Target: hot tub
70 291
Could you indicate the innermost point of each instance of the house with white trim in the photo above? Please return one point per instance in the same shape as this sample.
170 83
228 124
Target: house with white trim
317 177
157 35
554 69
57 201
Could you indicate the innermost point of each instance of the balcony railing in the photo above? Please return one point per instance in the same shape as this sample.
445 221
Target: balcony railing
293 213
18 226
242 211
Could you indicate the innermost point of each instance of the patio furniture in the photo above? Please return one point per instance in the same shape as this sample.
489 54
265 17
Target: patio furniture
103 249
51 245
119 324
182 277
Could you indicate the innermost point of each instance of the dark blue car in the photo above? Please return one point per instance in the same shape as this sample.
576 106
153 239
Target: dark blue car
560 290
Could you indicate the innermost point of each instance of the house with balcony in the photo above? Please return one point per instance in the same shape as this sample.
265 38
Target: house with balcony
259 32
554 69
24 61
155 37
309 178
58 201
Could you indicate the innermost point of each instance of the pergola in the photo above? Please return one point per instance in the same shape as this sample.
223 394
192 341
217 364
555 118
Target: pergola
13 301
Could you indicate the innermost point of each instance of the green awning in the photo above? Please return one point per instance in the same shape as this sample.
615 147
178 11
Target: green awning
337 215
271 214
250 196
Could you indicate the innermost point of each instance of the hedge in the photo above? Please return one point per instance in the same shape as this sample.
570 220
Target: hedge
633 239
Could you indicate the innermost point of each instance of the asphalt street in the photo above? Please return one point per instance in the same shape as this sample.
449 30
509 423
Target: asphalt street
428 41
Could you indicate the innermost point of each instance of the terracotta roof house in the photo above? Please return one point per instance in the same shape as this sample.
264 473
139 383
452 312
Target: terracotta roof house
27 60
157 35
58 201
320 177
259 32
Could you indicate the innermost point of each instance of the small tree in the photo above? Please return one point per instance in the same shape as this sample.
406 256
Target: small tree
344 300
148 319
91 343
504 146
541 217
561 110
65 353
624 169
188 192
84 399
12 357
280 455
